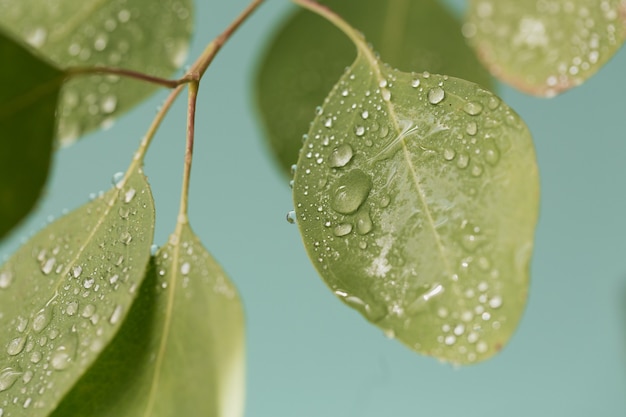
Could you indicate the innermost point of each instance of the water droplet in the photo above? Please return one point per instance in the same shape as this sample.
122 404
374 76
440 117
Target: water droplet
450 340
449 154
108 104
463 161
459 329
365 114
328 122
477 170
473 108
6 277
342 229
76 271
22 323
123 15
72 308
124 212
117 178
116 315
88 282
340 156
359 131
8 376
291 217
16 345
415 83
42 319
351 191
495 302
472 337
129 195
436 95
88 311
48 266
126 237
384 131
481 347
386 94
471 128
363 222
492 156
493 103
185 268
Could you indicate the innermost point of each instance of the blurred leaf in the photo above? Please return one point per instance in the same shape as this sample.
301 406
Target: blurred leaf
143 35
65 293
545 48
417 198
28 99
181 349
307 56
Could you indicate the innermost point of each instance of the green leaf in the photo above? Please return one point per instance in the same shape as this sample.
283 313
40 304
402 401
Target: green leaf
298 69
65 293
136 34
28 99
181 349
545 48
417 196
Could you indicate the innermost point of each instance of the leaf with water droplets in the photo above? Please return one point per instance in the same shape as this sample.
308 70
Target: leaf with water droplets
143 35
426 225
298 69
180 351
28 98
63 295
546 47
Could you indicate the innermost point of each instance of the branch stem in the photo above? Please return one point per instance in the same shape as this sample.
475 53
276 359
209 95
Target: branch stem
191 116
122 72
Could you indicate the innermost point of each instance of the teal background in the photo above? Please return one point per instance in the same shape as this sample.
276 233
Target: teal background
311 356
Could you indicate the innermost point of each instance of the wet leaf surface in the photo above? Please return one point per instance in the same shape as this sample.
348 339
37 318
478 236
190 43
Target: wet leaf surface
181 349
307 56
29 92
546 47
142 35
417 196
64 295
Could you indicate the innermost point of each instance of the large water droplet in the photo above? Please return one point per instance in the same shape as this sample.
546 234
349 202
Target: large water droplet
42 319
436 95
48 265
351 191
185 268
473 108
340 156
342 229
495 302
8 376
64 354
359 130
363 222
16 346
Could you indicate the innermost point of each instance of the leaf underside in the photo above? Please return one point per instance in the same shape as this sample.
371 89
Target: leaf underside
146 36
417 196
181 349
545 48
299 69
65 293
28 99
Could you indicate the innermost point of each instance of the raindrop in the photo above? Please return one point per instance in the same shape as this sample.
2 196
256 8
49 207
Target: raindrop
359 131
342 229
449 154
72 308
108 104
386 94
125 237
117 179
88 282
450 340
463 161
42 319
473 108
291 217
436 95
495 302
340 156
129 195
48 266
471 128
351 191
185 268
76 271
8 376
365 114
492 156
363 222
116 315
16 345
415 83
6 278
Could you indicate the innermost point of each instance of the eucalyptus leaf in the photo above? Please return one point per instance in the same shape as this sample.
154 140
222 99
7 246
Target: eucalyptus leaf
28 98
143 35
417 197
546 47
181 349
307 55
65 293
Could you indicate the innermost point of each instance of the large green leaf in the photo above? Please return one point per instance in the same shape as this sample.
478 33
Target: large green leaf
29 90
546 47
143 35
181 349
299 68
417 196
65 293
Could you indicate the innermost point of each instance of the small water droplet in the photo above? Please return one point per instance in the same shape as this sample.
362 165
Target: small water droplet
42 319
493 103
108 104
463 161
436 95
364 223
76 271
124 212
473 108
359 131
16 346
6 277
450 340
117 178
481 347
340 156
495 302
291 217
342 229
185 268
48 266
116 315
22 323
328 122
492 156
129 195
125 237
365 114
471 128
123 15
88 311
449 154
351 191
72 308
386 94
477 170
415 83
88 282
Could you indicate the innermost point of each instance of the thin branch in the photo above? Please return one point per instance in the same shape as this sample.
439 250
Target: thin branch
191 116
100 70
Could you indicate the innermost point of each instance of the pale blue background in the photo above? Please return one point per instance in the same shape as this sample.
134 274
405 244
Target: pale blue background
308 354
